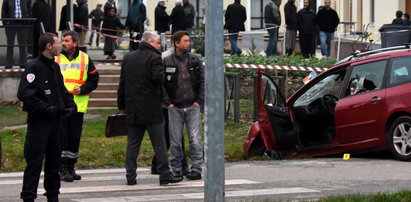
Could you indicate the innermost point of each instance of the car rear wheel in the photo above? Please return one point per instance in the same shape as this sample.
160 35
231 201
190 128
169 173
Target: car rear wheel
400 138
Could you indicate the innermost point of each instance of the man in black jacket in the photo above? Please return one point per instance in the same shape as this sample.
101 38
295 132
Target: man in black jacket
183 94
162 19
139 96
9 10
46 101
290 11
307 30
190 14
177 17
272 19
398 20
327 19
235 16
81 19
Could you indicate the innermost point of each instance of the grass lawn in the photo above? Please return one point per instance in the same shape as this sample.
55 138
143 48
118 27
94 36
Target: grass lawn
97 151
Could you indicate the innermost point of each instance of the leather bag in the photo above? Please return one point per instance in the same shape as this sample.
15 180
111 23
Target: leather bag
116 125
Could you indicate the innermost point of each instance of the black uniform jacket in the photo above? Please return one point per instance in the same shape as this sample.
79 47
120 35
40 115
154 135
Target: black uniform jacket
141 80
42 86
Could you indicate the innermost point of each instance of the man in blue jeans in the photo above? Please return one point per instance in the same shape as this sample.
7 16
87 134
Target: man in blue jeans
183 94
97 16
272 18
235 16
327 20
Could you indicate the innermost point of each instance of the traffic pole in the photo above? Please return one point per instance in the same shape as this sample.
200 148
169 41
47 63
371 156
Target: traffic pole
214 103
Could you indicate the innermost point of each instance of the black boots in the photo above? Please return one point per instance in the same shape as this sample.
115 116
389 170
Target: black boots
65 174
68 174
73 173
131 177
54 198
166 178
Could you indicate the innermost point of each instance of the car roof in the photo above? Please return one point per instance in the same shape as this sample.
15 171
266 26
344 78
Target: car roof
374 53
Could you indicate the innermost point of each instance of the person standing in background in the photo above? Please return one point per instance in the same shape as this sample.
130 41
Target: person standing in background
327 20
398 20
177 17
235 16
162 19
290 12
81 19
42 11
110 24
190 14
135 22
307 30
16 9
97 16
272 19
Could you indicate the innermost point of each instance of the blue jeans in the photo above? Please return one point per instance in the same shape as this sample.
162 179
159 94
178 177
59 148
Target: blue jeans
233 42
177 118
272 41
94 28
325 41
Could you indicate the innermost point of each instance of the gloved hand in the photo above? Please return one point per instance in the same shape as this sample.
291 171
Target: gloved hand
68 112
51 111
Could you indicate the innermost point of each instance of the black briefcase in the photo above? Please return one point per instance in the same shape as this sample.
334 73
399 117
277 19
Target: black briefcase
116 125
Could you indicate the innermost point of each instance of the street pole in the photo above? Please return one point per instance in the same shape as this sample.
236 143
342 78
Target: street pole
214 103
70 13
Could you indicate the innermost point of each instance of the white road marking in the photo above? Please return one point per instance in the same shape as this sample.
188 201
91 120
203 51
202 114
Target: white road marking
184 184
171 197
84 179
89 171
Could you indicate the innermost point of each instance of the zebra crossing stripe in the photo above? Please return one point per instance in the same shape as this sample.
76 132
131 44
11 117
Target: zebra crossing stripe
197 196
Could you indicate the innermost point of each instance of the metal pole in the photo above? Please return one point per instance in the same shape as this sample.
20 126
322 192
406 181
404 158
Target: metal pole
214 103
71 10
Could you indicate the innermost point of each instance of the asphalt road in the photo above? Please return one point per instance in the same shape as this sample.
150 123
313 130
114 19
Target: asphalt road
276 180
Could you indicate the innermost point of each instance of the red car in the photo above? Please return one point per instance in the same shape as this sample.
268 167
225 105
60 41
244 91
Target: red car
363 103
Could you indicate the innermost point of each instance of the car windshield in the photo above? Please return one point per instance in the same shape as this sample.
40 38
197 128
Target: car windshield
329 85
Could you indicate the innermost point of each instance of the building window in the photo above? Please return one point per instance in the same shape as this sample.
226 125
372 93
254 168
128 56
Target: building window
257 13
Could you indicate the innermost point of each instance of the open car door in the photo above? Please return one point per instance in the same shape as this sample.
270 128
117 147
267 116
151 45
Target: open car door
273 115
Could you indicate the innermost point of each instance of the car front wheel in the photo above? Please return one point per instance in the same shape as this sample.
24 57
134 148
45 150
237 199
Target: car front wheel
400 138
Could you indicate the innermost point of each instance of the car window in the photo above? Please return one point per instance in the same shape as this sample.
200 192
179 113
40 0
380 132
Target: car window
400 71
329 85
366 78
269 92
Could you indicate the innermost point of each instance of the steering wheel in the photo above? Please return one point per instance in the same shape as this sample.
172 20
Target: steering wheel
329 102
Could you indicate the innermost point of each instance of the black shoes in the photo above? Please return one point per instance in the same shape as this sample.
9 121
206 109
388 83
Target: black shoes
74 174
167 178
131 177
68 174
54 198
65 174
194 175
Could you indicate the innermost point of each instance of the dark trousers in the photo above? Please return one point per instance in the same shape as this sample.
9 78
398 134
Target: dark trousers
167 139
307 43
22 40
71 138
135 137
42 142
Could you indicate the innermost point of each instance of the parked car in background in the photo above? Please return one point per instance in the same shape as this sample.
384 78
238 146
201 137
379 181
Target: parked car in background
363 103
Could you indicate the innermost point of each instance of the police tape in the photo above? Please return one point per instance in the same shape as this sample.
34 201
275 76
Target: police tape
226 65
107 35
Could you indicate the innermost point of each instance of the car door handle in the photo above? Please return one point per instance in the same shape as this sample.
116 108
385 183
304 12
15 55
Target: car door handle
375 99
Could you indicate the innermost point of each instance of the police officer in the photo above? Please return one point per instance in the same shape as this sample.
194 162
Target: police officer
46 101
80 78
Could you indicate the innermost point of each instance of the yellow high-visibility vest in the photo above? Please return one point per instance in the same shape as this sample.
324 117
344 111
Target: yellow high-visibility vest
75 74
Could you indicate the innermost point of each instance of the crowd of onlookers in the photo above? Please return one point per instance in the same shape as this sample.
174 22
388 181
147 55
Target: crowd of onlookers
401 19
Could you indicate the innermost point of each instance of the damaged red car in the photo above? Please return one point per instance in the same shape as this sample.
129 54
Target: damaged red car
363 103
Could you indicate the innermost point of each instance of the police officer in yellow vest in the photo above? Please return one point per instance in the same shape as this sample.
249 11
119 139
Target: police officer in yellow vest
80 78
